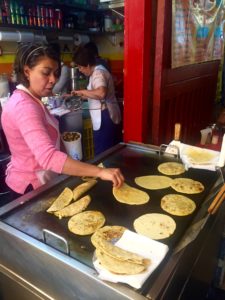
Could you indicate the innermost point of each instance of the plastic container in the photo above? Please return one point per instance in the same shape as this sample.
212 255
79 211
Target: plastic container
73 147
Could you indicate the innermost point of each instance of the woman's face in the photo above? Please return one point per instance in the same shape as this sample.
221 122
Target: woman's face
42 77
87 71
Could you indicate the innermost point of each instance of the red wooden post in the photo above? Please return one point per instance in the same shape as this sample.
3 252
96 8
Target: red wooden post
137 69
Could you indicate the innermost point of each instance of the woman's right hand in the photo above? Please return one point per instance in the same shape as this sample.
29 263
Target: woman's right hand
111 174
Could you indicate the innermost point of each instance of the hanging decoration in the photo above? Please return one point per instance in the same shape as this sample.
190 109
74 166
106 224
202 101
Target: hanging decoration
197 31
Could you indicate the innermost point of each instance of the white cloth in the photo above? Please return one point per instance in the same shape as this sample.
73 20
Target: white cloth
101 77
144 246
188 161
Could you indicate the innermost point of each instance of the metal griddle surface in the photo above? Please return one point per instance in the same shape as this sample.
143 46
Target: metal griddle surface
31 217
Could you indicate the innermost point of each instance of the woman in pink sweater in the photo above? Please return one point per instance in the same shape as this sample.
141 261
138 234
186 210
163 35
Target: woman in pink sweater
32 133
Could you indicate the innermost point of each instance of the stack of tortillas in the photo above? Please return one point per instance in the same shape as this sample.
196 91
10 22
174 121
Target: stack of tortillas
113 258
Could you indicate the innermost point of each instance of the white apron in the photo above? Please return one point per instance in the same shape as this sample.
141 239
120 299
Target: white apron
44 175
95 106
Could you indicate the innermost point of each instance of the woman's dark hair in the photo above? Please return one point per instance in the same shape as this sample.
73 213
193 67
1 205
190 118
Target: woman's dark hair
29 54
92 47
84 57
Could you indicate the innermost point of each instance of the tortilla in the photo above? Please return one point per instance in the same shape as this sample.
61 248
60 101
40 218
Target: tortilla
117 266
177 205
154 182
121 254
199 156
155 226
62 200
107 233
86 222
129 195
74 208
187 186
82 188
171 168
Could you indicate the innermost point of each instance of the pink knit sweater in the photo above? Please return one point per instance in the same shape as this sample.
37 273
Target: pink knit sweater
32 142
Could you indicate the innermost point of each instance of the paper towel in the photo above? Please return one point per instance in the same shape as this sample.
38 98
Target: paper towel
80 39
139 244
26 37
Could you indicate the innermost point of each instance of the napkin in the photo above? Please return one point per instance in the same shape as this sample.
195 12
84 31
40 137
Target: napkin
144 246
189 163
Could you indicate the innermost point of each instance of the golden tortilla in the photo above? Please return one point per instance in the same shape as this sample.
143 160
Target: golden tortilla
155 226
74 208
82 188
154 182
199 156
129 195
118 266
177 205
187 186
61 201
107 233
86 222
121 254
171 168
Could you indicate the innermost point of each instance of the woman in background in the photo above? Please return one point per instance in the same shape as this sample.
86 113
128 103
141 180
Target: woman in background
103 106
32 132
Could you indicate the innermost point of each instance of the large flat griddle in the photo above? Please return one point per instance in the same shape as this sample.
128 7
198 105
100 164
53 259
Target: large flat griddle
31 216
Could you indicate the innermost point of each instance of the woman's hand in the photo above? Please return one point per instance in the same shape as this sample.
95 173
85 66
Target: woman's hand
112 174
78 93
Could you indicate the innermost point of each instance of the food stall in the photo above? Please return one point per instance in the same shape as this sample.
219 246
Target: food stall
41 258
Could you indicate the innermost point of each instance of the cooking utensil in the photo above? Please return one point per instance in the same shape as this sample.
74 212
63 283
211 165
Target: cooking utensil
194 229
177 132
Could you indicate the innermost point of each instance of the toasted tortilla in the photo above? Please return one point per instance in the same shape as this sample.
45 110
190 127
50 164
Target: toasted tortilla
86 222
154 182
155 226
73 208
129 195
107 233
83 188
121 254
187 186
199 156
171 168
177 205
61 201
118 266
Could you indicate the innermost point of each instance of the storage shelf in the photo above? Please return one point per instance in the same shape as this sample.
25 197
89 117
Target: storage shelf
59 31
